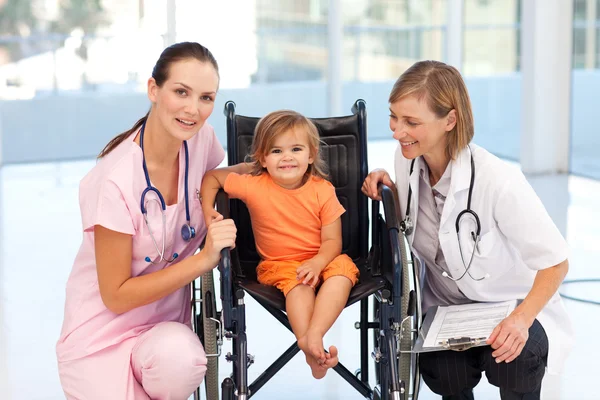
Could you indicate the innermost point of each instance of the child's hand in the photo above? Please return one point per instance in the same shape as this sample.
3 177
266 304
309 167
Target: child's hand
309 272
210 216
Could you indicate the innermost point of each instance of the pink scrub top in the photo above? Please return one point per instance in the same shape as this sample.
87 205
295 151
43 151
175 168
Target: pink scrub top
109 195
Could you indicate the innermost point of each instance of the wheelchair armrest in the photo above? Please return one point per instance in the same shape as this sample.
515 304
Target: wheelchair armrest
391 222
389 207
222 203
225 265
392 231
226 286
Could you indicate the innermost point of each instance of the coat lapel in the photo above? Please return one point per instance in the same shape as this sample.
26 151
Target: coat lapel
459 181
413 181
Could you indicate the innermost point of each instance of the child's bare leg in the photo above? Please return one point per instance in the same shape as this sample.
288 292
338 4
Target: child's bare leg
329 304
299 304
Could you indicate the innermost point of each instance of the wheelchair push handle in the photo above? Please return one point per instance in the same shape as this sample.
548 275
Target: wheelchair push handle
229 109
359 106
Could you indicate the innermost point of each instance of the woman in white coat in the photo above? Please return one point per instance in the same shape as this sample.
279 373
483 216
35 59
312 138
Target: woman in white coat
516 252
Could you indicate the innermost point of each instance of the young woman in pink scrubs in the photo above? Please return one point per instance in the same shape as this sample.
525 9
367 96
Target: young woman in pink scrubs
126 331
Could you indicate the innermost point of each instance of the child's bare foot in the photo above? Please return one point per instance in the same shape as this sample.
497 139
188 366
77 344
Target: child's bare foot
314 346
332 358
318 370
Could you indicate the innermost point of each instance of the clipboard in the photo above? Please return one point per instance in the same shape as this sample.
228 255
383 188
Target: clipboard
459 343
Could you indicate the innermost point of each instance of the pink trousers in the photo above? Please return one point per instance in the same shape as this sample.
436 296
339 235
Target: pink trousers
167 362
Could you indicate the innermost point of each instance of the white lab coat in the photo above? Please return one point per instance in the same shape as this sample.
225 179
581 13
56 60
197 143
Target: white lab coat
518 237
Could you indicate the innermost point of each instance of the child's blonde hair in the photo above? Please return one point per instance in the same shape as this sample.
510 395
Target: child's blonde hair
277 123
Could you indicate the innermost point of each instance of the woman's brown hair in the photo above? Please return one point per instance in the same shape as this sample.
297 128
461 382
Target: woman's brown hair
160 73
277 123
444 90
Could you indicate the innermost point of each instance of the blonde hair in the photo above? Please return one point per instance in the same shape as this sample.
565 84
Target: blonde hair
444 90
277 123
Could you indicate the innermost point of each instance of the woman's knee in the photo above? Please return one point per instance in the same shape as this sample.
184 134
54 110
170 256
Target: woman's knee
180 348
173 361
449 372
524 374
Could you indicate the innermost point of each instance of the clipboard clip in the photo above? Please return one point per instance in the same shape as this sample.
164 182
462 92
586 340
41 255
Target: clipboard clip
462 343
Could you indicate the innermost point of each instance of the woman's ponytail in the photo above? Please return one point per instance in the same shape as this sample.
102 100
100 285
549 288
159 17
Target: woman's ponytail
117 140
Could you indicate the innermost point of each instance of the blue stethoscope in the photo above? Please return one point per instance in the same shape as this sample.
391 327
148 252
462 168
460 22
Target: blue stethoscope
187 231
407 225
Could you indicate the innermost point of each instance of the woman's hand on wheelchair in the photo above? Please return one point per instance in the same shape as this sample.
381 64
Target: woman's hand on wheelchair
369 187
309 272
221 234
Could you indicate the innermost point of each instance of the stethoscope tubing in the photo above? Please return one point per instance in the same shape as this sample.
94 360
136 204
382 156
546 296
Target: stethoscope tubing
187 231
407 225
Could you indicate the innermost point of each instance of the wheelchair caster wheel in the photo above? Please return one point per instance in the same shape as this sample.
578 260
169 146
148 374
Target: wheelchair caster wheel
357 373
227 389
376 393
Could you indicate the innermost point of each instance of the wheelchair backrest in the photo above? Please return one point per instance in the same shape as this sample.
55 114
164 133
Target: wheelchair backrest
345 152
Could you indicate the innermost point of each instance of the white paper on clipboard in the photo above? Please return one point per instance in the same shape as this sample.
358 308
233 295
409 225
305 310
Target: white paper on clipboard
474 321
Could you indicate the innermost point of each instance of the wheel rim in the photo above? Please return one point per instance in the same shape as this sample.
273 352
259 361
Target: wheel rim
211 380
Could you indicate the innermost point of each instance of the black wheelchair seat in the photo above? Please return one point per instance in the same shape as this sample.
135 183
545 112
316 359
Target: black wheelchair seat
366 285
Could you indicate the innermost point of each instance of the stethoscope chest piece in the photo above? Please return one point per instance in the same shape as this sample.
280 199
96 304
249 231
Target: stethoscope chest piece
407 226
188 232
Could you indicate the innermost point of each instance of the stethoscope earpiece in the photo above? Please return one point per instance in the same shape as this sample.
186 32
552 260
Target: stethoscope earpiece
148 259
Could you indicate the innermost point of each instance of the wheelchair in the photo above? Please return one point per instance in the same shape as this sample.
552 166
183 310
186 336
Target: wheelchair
388 283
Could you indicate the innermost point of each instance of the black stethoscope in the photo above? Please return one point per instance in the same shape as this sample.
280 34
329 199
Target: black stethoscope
407 225
187 231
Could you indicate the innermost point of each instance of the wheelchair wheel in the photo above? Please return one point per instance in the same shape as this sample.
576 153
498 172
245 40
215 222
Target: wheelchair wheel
408 363
209 310
376 336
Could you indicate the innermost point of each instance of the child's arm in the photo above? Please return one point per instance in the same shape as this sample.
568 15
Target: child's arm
331 247
214 180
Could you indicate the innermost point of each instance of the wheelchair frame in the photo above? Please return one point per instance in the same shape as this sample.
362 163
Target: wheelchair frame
387 260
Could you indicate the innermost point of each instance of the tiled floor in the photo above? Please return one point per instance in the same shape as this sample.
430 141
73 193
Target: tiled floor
40 234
